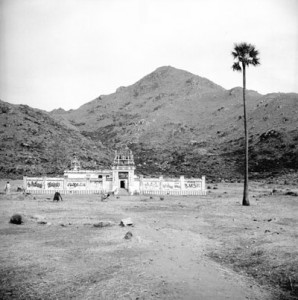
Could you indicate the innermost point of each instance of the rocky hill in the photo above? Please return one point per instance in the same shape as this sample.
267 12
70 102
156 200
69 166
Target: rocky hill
180 123
33 143
176 123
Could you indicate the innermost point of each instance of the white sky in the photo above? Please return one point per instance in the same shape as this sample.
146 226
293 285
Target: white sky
64 53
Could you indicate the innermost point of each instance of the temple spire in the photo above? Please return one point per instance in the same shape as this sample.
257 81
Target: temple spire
75 164
123 157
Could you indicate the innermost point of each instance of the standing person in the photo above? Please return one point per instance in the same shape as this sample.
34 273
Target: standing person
7 188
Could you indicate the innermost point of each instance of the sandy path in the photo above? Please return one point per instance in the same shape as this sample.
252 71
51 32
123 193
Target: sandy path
165 259
177 262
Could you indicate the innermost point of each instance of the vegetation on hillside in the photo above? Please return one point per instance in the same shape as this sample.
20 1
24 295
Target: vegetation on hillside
175 122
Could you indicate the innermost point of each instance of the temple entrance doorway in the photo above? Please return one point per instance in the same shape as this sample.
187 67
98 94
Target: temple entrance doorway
123 170
123 180
122 184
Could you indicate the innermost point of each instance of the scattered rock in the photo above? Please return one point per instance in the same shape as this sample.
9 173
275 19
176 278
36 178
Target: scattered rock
126 222
42 222
270 134
162 198
267 230
291 193
128 235
103 224
16 219
64 224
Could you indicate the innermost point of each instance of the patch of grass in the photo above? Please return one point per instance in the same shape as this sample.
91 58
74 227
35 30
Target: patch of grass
259 264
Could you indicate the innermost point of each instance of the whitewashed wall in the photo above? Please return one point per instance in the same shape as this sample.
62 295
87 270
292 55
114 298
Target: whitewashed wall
173 186
156 186
65 185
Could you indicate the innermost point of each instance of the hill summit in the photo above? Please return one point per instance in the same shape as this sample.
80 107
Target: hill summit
175 122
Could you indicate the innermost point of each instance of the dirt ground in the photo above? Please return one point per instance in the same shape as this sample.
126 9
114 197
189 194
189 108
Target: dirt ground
198 247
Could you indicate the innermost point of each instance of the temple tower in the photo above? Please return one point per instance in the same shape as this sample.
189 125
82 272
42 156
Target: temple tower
75 164
123 169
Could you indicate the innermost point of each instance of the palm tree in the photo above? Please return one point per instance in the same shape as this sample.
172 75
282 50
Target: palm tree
244 55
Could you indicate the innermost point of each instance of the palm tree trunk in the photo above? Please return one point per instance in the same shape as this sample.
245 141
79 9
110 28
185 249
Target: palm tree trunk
245 200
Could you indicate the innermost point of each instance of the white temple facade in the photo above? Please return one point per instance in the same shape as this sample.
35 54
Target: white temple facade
120 176
123 170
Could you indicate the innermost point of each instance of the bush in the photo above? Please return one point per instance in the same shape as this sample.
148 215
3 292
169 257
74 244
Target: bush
16 219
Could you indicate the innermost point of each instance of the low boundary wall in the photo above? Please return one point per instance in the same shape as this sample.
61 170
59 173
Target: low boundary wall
173 186
64 192
50 185
142 185
174 193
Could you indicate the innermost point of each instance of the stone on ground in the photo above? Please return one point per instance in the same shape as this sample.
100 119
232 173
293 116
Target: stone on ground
128 235
103 224
126 222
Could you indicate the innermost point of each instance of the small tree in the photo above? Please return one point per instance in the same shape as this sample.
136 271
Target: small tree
244 55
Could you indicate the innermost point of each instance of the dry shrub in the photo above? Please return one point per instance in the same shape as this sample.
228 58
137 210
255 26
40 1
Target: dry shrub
16 219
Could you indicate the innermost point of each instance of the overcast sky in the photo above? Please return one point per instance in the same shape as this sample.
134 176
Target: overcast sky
64 53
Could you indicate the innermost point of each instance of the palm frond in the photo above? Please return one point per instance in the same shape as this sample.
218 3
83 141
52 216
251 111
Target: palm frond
253 52
234 54
236 66
255 61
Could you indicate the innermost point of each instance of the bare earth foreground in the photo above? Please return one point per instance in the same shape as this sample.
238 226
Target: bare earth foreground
208 247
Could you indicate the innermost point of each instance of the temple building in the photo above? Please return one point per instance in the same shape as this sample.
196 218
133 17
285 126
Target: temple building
123 169
121 176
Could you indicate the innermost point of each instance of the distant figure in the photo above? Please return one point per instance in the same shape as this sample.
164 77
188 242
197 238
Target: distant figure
7 188
57 197
20 189
104 196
